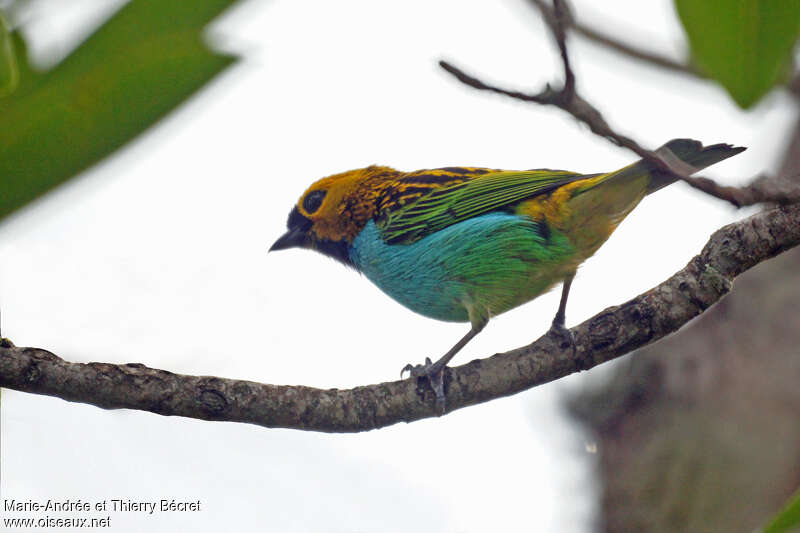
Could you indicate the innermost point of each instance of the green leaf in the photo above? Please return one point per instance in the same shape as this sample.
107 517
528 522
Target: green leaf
142 63
788 518
9 74
745 45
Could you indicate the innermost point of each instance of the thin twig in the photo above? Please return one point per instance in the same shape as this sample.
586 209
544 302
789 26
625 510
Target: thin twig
598 37
576 106
567 98
560 21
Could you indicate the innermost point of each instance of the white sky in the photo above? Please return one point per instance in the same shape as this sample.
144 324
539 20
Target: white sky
158 256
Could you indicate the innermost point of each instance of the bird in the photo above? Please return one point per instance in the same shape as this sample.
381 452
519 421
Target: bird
465 244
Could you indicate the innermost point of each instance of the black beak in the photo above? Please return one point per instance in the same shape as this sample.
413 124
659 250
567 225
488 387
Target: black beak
297 235
293 238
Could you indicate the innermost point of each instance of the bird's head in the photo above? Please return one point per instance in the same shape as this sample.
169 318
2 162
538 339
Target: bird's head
334 210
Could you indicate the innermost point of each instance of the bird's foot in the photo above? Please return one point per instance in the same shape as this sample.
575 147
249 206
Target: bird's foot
564 335
435 376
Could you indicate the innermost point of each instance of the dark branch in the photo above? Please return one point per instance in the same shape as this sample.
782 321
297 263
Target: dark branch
567 98
658 60
558 23
575 106
596 36
610 334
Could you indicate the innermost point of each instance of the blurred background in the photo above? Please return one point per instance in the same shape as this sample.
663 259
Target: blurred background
155 252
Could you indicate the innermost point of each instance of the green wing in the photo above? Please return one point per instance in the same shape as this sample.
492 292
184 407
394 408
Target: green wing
450 204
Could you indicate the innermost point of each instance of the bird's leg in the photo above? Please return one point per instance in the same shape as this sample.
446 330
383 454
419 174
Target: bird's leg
435 371
561 314
558 327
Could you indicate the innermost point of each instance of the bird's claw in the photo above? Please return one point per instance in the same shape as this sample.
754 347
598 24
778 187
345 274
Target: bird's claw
435 378
417 371
565 334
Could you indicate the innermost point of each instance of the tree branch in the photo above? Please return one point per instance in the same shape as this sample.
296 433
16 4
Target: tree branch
612 333
655 59
608 41
558 19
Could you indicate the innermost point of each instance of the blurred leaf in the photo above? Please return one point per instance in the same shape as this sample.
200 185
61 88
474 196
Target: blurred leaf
142 63
745 45
9 75
788 519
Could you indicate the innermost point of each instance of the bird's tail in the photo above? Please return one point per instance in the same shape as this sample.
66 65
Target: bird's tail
689 151
600 202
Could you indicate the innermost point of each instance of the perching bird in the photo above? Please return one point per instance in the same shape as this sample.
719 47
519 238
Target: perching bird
464 244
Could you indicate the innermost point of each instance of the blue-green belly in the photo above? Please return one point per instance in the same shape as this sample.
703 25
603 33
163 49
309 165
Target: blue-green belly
470 271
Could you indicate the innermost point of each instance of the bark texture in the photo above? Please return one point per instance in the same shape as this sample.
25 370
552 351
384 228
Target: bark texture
612 333
701 432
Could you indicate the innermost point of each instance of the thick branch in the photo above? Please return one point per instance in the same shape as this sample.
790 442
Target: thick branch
610 334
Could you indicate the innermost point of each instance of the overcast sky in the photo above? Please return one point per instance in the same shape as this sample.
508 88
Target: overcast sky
158 256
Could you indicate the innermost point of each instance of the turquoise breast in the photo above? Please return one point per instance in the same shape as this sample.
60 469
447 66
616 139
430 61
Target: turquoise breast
468 271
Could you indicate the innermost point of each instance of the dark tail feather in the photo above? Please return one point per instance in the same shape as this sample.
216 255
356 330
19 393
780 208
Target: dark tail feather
691 152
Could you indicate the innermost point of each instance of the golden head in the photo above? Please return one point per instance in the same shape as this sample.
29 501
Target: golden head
331 212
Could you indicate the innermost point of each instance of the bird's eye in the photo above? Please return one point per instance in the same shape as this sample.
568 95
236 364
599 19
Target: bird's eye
313 201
